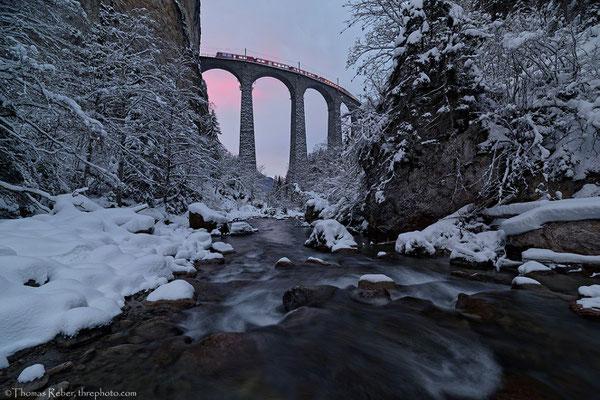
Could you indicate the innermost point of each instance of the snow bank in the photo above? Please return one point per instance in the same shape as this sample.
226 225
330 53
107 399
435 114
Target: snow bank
522 280
79 264
208 214
330 235
532 266
31 373
175 290
549 256
554 211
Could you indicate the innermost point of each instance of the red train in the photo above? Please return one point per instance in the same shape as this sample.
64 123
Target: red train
281 66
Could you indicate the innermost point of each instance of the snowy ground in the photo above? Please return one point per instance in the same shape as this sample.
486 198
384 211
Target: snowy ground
70 270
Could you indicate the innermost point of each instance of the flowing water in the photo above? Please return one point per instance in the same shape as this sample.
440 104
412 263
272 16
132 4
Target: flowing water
514 344
349 349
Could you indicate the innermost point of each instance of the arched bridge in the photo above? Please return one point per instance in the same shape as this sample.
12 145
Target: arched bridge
248 69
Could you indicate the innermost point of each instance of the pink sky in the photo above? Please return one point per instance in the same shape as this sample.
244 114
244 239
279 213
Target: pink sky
307 31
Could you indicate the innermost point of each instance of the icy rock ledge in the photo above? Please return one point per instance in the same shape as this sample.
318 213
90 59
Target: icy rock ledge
331 236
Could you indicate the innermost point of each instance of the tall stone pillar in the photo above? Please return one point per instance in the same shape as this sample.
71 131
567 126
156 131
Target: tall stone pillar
247 143
298 151
334 123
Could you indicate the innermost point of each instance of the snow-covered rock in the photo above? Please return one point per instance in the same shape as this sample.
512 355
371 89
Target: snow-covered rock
31 373
590 303
522 280
315 260
241 228
330 235
283 262
532 266
223 248
174 290
381 254
376 281
314 208
201 216
442 235
553 211
552 257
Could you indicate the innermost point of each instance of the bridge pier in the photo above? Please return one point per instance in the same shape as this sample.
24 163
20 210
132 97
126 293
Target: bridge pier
298 151
334 123
247 141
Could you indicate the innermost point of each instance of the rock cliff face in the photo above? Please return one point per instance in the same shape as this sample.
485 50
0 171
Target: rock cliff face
429 189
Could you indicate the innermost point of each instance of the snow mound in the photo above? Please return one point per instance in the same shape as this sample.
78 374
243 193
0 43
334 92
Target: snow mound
241 228
330 235
554 211
552 257
31 373
175 290
381 254
222 247
522 280
195 247
531 266
208 214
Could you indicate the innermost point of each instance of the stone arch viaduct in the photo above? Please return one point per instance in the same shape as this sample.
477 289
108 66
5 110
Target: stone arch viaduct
247 70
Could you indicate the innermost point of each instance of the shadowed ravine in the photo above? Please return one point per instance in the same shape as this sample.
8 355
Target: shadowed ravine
415 346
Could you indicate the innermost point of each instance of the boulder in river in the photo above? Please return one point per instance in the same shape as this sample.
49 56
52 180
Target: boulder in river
376 281
330 236
307 296
283 262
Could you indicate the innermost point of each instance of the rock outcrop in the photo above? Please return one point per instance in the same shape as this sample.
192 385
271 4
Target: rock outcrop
580 237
